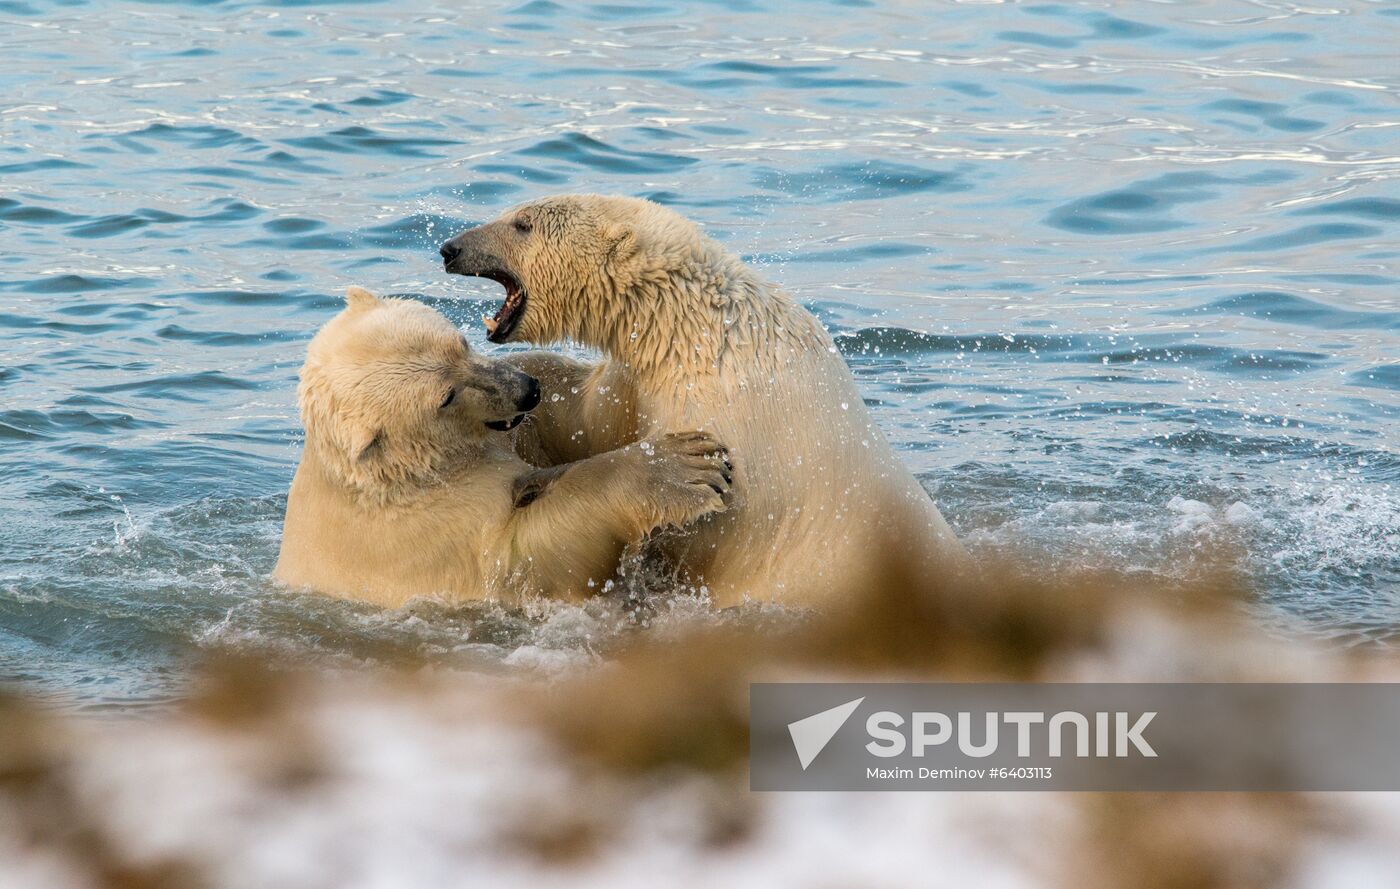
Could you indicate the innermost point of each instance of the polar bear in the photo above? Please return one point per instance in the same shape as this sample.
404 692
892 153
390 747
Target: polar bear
693 338
409 484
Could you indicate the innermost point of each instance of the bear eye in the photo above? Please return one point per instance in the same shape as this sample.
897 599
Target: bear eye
451 396
523 225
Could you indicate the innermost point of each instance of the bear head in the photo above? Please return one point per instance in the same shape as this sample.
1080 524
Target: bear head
392 395
572 264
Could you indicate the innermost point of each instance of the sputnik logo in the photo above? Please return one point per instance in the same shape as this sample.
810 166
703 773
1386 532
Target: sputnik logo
811 735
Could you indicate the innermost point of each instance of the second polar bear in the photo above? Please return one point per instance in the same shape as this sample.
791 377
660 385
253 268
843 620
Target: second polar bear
409 486
693 338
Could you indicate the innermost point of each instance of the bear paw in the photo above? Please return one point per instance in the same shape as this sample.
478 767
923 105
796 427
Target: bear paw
691 475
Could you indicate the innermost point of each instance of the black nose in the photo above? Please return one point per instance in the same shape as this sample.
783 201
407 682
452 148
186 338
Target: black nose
532 395
449 251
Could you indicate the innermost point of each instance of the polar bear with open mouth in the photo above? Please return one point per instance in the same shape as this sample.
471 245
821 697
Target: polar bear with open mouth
693 338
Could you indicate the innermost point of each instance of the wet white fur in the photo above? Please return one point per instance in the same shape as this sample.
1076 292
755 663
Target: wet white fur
693 338
397 497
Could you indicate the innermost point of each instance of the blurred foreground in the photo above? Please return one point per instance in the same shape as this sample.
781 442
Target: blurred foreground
633 771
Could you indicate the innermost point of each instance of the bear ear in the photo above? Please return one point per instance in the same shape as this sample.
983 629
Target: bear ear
621 240
365 443
358 298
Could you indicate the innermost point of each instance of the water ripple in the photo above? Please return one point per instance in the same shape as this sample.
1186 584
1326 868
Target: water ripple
361 140
576 148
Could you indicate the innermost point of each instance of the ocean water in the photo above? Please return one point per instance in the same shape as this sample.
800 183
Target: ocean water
1120 280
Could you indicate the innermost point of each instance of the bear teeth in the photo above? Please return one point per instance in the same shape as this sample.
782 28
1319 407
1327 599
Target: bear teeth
491 323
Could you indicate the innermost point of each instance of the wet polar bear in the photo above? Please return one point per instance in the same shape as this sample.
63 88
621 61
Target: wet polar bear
693 338
408 485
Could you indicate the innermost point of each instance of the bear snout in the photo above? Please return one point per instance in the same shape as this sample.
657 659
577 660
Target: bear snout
449 252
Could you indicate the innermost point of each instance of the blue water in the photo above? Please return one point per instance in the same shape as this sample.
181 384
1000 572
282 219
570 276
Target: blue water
1120 281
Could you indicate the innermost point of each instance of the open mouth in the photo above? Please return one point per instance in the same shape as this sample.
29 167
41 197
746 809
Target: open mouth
505 425
500 326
